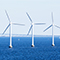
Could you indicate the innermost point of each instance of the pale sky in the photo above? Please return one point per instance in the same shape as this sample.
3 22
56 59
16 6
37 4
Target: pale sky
39 11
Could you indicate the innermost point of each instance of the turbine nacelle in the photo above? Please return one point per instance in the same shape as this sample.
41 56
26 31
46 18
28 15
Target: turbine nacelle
10 23
32 23
53 24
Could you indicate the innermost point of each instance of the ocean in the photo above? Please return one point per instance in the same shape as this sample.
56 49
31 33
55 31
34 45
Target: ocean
22 49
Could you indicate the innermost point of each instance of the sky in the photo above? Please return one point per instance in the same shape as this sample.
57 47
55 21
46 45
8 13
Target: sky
39 11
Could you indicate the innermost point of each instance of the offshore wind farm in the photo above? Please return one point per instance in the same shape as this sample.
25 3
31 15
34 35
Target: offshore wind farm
21 44
23 32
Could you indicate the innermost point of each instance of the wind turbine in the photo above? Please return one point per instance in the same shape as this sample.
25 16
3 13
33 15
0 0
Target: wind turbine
52 25
10 29
32 28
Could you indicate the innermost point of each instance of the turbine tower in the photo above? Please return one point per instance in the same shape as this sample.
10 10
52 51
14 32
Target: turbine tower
52 25
32 28
10 28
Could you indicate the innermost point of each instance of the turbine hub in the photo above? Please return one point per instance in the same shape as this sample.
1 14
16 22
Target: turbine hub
10 22
53 24
32 23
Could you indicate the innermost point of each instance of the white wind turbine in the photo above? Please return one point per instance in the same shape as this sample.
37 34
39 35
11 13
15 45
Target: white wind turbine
32 27
52 25
10 29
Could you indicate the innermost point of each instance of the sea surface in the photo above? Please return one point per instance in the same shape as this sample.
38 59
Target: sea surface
22 49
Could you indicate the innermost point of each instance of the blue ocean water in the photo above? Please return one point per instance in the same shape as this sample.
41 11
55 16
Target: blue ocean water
22 49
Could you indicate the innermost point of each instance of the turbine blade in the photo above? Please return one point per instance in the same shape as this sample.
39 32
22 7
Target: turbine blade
47 28
57 26
39 23
30 29
18 24
7 15
29 17
52 18
6 29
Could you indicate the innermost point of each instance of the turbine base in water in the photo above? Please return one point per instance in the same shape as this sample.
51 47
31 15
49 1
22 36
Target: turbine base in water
32 45
10 46
53 44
